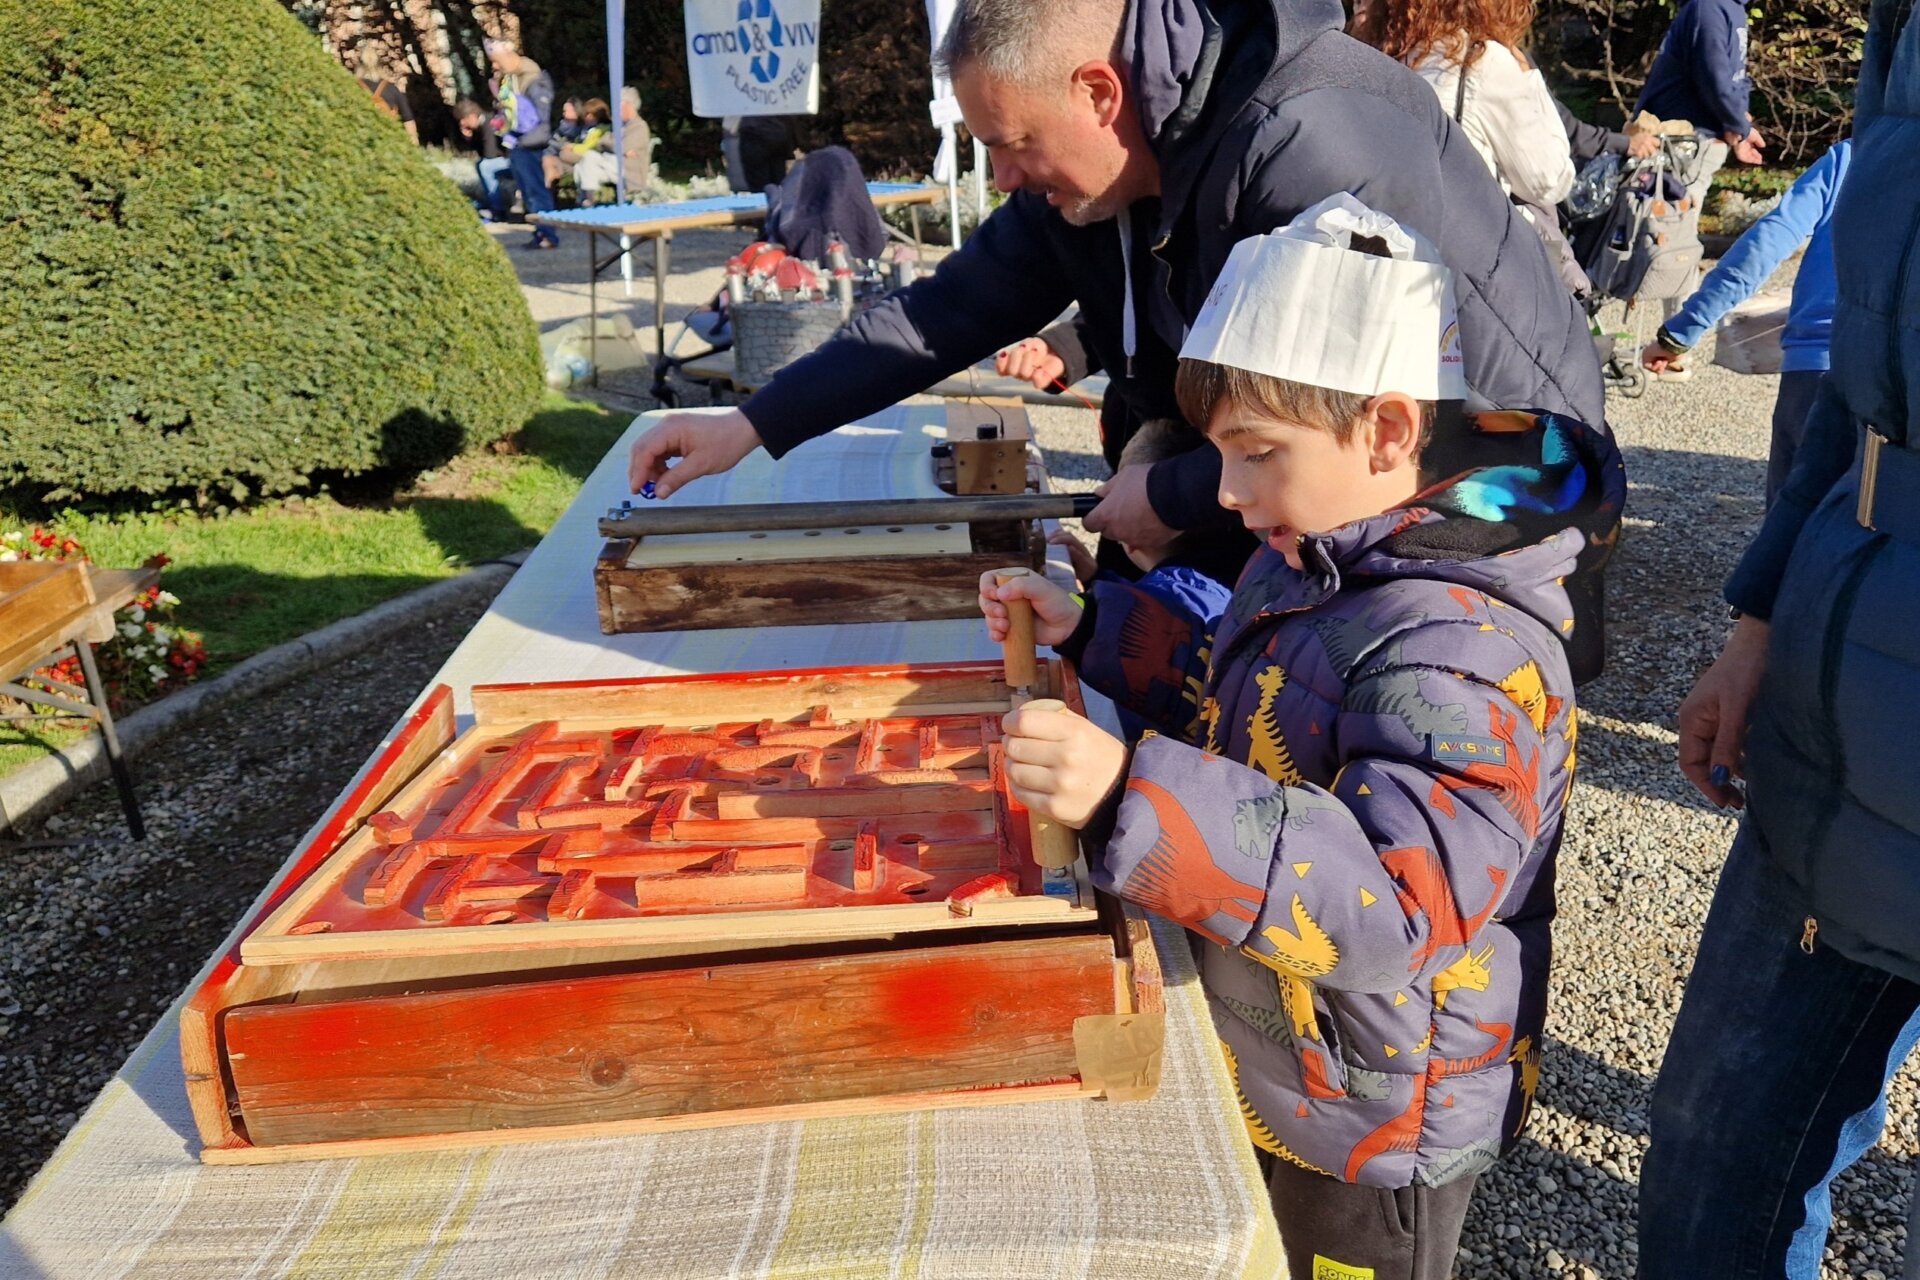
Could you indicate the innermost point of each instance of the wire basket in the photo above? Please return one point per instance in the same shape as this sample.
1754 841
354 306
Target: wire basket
768 336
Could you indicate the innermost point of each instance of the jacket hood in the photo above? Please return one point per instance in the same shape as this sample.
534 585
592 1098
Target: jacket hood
1180 51
1546 490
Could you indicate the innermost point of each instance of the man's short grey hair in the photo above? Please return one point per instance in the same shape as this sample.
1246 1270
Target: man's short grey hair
1026 41
631 97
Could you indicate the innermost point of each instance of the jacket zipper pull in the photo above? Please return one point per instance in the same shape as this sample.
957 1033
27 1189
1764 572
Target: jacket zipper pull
1807 934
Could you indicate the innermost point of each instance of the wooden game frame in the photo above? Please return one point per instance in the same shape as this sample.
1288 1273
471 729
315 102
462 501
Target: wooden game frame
505 709
285 1060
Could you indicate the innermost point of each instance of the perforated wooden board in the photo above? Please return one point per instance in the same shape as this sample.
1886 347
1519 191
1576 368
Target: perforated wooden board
826 543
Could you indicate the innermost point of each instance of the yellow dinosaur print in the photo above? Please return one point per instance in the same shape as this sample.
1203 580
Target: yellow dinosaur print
1270 754
1210 718
1257 1129
1296 1001
1471 971
1307 952
1527 1054
1528 689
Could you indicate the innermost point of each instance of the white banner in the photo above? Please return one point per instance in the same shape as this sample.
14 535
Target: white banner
754 57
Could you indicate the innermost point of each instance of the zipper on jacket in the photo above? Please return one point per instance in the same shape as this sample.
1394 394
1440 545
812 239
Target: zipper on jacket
1808 932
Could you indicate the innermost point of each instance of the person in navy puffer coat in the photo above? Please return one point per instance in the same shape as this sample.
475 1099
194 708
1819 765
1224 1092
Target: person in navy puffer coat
1805 997
1355 792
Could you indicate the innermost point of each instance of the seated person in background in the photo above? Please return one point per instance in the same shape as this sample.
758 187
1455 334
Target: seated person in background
1379 720
387 95
596 170
595 135
567 131
477 134
1804 216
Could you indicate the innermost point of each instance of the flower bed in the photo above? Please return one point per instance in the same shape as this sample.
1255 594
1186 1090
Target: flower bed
147 656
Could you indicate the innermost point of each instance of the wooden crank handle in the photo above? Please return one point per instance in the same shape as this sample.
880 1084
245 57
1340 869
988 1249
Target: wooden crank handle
1054 845
1022 664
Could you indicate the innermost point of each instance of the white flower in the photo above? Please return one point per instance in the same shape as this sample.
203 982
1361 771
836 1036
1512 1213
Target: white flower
169 599
12 535
157 671
139 613
129 630
162 637
9 555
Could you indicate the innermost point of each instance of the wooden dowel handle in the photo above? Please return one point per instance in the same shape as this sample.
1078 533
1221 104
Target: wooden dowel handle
1054 845
1022 665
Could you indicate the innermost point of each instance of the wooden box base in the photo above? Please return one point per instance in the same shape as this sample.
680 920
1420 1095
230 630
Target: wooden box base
361 1051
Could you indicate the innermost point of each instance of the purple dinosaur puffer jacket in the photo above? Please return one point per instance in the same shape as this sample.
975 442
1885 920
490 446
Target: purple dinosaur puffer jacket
1356 803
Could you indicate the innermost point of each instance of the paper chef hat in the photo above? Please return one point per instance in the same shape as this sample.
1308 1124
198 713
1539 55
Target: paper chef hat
1299 303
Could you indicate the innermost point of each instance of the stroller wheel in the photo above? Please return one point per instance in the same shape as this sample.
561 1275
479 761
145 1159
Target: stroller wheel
1633 382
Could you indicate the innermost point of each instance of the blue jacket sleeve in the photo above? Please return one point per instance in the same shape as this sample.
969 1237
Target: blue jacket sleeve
1147 649
1003 285
1364 884
1758 253
1721 57
1824 456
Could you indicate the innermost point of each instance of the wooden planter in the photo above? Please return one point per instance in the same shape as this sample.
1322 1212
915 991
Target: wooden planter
656 904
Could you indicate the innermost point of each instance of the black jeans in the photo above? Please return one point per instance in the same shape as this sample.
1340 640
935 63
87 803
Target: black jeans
1333 1230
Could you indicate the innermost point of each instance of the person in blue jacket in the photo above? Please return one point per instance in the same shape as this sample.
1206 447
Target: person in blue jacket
1700 76
1803 216
1805 997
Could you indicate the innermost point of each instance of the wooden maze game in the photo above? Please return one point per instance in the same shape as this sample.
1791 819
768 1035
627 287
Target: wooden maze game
661 903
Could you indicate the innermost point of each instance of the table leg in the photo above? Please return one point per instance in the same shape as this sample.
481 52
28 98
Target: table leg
122 778
913 217
660 257
593 306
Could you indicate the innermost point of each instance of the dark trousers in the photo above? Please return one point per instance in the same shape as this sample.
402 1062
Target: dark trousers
1774 1081
1336 1230
1790 408
525 163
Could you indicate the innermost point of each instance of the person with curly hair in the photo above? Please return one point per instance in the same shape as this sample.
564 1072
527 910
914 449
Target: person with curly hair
1469 52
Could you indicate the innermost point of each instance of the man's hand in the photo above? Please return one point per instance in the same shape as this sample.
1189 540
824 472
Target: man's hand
1713 719
1055 614
1031 360
1656 357
1125 514
705 443
1747 150
1061 765
1642 145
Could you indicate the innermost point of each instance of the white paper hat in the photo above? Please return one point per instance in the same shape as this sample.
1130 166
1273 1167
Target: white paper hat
1299 304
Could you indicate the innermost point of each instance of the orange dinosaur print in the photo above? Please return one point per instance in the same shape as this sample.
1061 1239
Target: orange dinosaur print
1149 635
1401 1133
1517 783
1469 601
1179 878
1313 1066
1424 888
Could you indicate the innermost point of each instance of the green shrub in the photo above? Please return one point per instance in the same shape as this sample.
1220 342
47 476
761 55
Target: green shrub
225 268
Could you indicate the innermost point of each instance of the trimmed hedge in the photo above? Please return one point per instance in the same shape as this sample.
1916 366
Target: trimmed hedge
225 268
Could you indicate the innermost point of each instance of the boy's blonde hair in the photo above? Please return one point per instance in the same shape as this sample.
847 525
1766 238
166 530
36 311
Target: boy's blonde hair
1203 388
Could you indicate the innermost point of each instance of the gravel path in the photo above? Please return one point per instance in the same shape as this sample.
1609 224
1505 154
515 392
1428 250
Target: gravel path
101 935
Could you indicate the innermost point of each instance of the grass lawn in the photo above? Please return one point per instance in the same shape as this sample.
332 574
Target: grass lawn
253 579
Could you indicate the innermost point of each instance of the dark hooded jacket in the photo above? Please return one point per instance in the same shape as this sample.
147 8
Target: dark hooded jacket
1256 111
1357 803
1830 752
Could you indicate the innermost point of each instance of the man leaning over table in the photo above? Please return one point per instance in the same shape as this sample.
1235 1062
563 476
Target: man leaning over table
1140 140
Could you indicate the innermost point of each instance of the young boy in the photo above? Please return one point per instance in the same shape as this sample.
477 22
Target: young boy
1357 796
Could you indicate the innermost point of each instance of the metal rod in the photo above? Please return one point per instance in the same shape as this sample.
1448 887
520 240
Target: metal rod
640 522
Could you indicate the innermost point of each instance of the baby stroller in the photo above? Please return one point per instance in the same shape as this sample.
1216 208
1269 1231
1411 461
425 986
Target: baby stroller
1634 239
